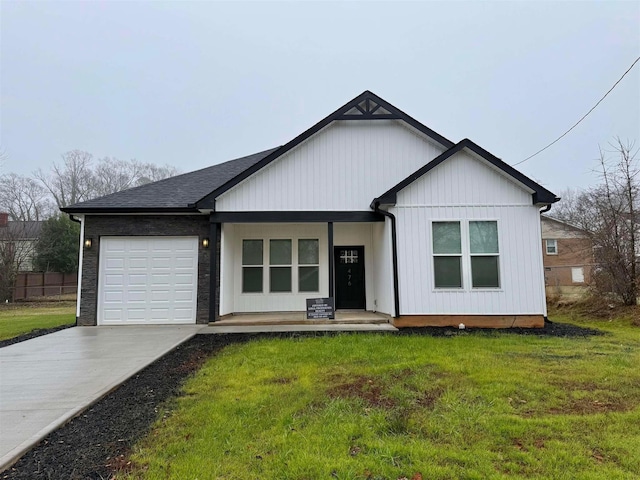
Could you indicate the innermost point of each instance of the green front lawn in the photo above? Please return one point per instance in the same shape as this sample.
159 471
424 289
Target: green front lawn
18 320
471 406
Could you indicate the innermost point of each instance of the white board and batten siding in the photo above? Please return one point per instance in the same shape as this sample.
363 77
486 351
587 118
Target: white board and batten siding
147 280
465 188
342 168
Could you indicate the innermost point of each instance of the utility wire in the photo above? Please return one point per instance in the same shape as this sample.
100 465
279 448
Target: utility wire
583 117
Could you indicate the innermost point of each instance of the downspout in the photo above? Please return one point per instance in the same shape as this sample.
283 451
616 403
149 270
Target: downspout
375 205
544 210
80 258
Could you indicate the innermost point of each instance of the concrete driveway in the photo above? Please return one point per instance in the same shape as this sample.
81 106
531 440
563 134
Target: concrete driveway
48 380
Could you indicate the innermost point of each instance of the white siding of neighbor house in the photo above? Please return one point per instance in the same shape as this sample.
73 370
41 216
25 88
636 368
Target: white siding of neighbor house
463 188
343 167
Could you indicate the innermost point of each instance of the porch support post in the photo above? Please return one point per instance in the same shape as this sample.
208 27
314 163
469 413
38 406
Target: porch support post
331 260
213 273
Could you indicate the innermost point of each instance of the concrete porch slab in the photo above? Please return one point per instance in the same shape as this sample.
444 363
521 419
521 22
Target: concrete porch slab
273 328
343 317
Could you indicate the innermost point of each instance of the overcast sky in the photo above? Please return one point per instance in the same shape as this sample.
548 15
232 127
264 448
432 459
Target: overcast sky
193 84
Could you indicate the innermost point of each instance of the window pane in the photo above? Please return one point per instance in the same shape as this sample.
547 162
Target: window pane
484 272
252 252
280 279
251 279
280 252
308 279
447 272
308 252
552 247
446 237
483 237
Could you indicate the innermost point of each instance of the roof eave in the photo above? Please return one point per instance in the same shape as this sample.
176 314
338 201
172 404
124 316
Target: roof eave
105 210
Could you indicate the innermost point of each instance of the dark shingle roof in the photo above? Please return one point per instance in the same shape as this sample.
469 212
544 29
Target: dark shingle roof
174 194
17 230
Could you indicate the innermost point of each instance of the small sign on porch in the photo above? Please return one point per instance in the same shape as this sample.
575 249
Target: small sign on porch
318 308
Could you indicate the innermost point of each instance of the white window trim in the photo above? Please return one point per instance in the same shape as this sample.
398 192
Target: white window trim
546 242
266 264
467 280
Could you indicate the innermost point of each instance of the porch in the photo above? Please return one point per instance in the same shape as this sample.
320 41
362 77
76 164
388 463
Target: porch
343 317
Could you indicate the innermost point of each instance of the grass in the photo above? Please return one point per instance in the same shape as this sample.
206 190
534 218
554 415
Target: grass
18 320
471 406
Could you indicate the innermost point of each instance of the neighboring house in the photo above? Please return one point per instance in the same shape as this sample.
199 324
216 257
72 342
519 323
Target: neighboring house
17 242
568 257
368 206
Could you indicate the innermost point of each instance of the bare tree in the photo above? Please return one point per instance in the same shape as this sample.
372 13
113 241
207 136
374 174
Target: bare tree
23 198
70 182
79 178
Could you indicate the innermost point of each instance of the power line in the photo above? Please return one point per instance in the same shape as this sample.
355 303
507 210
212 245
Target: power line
583 117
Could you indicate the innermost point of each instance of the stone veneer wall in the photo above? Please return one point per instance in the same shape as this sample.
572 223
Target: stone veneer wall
97 226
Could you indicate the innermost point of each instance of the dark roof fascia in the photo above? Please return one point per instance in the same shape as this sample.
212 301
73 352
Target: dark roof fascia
540 194
209 200
105 210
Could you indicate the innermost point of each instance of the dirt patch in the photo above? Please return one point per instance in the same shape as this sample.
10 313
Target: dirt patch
38 332
369 389
588 406
283 380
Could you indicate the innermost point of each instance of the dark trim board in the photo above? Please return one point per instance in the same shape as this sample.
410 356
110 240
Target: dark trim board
295 217
145 210
539 195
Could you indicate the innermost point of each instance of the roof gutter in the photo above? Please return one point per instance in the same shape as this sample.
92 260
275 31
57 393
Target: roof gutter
375 205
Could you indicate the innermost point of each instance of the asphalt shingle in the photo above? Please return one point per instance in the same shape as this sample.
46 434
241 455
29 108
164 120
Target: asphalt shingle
171 193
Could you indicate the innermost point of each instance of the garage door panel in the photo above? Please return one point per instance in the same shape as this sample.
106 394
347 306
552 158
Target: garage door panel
147 280
114 296
115 263
139 262
183 295
183 313
114 280
113 314
135 279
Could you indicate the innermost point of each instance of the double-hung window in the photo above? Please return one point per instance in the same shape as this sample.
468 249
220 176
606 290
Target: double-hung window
552 246
308 265
280 265
252 266
447 254
483 248
465 253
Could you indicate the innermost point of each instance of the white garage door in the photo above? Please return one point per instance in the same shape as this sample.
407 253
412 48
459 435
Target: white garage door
147 280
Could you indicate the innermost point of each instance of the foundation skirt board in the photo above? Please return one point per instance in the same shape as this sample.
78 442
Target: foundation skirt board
470 321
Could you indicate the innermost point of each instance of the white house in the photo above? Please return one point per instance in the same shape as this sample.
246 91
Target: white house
368 207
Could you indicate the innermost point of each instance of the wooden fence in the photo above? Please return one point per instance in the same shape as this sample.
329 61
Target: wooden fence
33 285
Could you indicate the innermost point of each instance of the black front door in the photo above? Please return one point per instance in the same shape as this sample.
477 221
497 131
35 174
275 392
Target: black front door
350 291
